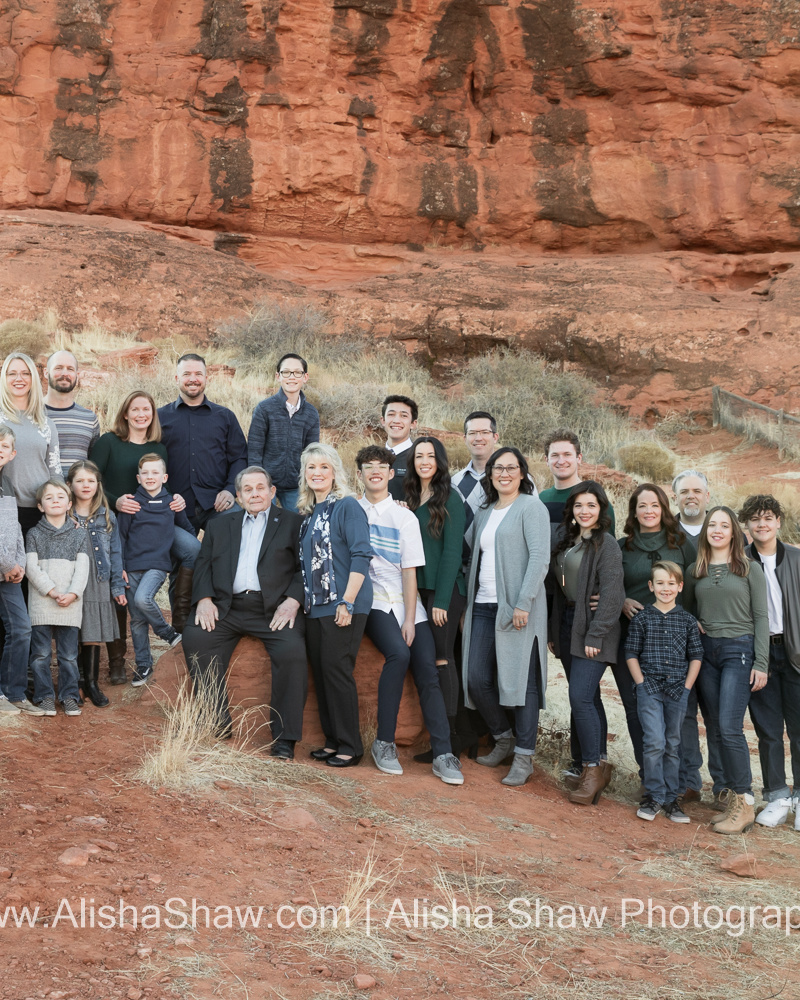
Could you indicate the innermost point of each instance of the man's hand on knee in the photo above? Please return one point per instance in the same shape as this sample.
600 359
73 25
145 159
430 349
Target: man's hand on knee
206 615
285 614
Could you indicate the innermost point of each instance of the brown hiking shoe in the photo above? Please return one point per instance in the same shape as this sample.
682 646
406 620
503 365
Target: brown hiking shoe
689 796
739 818
722 803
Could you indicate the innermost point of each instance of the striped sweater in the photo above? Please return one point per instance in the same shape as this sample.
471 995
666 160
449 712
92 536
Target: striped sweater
57 559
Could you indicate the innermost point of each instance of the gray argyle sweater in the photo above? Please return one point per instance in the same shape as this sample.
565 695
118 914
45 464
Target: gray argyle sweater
57 559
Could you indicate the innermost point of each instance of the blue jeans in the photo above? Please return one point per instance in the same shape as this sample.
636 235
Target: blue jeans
288 499
384 630
724 681
661 718
691 757
775 705
627 695
17 642
143 587
482 683
66 637
584 692
185 548
577 754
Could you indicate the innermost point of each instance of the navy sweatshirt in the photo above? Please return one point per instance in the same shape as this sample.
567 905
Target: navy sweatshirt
147 536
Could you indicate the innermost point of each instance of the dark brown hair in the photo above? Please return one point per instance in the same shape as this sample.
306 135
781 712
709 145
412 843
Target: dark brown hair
670 523
572 529
440 485
737 560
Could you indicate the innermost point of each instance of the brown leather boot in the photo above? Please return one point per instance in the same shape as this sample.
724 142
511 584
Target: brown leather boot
590 787
182 598
116 661
608 771
740 816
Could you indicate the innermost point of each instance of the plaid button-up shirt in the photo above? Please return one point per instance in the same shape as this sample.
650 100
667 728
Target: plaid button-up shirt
664 644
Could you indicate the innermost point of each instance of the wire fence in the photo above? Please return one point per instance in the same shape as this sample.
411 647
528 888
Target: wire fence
757 422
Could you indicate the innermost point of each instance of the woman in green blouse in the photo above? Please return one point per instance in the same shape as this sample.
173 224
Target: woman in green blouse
442 588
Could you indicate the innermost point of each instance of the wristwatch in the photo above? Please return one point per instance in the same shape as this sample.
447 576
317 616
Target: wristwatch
348 606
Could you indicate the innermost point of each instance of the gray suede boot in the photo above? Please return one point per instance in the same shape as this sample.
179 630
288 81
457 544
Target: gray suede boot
503 748
521 770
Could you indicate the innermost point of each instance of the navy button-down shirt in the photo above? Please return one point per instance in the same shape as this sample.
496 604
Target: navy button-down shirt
206 450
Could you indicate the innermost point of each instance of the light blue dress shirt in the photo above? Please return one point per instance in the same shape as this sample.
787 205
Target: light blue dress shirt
253 528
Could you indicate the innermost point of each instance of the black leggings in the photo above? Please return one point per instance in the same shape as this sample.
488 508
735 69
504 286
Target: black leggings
444 637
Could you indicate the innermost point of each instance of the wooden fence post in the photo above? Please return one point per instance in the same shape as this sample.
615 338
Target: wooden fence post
781 436
715 406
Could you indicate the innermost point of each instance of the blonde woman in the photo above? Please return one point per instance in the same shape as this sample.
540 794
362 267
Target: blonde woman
335 553
22 405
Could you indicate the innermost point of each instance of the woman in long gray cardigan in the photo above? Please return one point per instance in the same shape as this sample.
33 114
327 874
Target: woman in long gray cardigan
505 630
587 561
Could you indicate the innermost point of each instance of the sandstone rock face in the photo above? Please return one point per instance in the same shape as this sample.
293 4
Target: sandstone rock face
656 329
603 125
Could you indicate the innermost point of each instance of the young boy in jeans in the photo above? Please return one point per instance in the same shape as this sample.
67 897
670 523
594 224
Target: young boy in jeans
147 538
664 654
13 613
58 570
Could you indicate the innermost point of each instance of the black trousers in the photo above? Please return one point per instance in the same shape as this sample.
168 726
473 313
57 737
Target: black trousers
208 655
332 651
445 637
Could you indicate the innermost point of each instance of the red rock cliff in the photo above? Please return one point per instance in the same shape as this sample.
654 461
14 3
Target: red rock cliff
605 125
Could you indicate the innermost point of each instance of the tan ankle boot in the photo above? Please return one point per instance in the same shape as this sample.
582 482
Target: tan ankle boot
608 770
590 787
740 819
728 797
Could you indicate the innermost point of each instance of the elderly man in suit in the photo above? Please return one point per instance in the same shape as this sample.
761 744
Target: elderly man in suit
247 581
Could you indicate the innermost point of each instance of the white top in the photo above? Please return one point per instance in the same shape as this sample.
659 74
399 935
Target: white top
487 582
691 529
253 528
397 449
396 545
774 594
293 407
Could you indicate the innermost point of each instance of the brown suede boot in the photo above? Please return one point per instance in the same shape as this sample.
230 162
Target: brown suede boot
590 787
182 598
740 817
608 771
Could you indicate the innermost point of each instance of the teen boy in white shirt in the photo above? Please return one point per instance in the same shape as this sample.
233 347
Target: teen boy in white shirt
399 420
397 623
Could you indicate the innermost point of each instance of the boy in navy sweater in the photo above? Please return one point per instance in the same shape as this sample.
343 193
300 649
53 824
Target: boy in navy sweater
147 537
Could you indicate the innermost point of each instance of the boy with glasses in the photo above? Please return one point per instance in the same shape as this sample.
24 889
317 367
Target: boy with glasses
282 426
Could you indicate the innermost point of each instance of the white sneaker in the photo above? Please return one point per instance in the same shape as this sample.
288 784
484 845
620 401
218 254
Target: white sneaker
774 813
7 707
796 808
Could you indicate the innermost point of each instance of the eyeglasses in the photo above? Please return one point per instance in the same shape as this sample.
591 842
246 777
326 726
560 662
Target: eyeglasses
25 374
505 468
288 374
384 467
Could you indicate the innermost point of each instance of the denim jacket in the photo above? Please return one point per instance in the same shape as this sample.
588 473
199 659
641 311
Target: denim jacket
105 549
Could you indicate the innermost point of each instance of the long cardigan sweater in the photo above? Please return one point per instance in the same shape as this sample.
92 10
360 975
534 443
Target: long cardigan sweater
522 556
600 573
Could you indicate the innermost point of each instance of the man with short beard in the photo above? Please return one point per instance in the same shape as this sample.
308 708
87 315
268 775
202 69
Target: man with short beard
78 428
690 489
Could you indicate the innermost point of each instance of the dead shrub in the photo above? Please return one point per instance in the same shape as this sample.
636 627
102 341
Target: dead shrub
30 338
648 460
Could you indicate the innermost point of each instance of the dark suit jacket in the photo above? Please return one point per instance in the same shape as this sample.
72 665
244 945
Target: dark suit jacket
278 562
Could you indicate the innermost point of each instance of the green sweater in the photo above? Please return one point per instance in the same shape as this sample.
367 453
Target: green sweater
442 569
637 561
730 606
550 497
118 462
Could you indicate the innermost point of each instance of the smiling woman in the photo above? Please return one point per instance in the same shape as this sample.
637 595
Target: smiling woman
22 406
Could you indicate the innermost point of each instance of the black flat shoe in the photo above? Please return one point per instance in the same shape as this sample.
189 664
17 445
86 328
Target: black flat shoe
322 754
424 758
335 761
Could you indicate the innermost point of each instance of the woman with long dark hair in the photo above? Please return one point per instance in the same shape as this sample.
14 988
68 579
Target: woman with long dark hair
587 565
505 629
440 582
652 534
728 595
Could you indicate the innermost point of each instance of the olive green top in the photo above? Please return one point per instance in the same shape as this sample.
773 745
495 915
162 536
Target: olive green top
442 570
730 606
568 564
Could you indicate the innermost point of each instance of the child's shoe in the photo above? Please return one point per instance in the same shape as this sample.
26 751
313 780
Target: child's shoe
48 706
141 675
649 809
6 708
27 707
175 641
71 707
674 812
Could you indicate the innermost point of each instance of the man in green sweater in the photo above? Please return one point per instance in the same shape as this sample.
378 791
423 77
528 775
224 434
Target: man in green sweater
562 451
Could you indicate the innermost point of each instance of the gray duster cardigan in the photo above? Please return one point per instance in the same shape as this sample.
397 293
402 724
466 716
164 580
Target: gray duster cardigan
522 557
600 573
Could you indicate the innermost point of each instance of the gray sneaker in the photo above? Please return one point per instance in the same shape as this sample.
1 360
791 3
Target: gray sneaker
71 707
141 675
385 757
448 767
6 708
27 707
48 706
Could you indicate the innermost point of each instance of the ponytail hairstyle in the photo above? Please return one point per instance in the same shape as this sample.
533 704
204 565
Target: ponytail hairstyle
99 497
737 560
572 529
440 485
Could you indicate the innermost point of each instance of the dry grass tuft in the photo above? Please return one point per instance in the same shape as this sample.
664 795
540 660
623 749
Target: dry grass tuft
648 460
31 338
